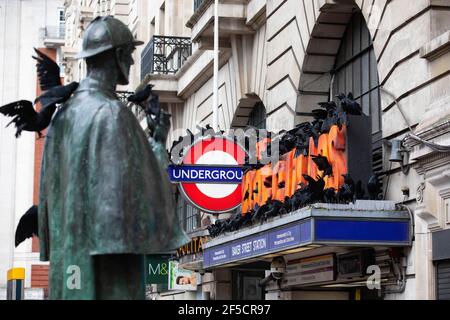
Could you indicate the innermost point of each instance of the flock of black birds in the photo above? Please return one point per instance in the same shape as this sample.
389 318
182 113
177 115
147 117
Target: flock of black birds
313 191
298 138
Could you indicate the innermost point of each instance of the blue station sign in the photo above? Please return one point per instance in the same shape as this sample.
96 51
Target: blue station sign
205 174
313 227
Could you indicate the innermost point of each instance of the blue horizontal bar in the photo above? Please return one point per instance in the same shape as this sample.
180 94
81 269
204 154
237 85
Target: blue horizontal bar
370 231
205 174
326 231
270 241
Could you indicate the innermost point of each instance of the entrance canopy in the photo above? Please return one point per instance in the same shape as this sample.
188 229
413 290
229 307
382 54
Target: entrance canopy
366 223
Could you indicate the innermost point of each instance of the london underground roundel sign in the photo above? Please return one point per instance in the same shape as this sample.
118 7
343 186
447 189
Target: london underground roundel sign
210 175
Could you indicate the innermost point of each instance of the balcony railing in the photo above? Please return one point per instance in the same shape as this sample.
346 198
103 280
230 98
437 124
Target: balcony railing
54 32
165 55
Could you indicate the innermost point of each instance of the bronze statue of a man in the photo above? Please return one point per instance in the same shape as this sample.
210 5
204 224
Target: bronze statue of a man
101 206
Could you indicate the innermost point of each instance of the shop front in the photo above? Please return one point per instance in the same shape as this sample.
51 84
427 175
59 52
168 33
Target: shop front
331 251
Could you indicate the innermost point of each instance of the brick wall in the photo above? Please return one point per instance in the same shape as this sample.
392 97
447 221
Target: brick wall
39 277
39 273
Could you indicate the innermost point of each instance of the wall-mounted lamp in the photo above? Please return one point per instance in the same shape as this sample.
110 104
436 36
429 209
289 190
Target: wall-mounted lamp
396 151
399 154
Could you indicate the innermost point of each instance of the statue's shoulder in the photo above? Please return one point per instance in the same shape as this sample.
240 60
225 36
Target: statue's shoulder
112 114
92 97
112 107
113 104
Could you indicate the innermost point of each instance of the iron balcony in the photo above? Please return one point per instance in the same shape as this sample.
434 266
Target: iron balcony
165 55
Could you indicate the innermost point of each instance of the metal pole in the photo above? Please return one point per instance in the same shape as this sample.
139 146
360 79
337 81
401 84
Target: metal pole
15 284
215 114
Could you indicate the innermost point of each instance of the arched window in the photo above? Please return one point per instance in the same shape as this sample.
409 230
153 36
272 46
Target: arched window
355 71
250 111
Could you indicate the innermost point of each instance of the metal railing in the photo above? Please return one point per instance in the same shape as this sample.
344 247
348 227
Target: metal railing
197 4
165 55
54 32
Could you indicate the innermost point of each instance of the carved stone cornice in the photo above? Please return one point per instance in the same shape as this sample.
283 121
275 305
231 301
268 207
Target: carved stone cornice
69 53
436 48
431 162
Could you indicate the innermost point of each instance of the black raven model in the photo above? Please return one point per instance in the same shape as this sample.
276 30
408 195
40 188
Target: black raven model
148 100
142 95
23 113
349 105
323 164
374 188
28 225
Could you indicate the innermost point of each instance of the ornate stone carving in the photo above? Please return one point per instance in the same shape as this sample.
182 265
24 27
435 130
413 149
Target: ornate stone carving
419 193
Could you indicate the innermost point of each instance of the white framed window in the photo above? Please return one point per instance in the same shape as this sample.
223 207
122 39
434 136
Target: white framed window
61 22
61 16
447 210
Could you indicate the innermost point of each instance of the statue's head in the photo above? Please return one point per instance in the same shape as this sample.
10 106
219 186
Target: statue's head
109 38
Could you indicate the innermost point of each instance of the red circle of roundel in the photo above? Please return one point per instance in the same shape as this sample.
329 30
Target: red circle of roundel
193 193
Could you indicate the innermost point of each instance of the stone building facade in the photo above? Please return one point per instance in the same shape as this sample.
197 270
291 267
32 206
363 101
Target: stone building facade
285 56
24 25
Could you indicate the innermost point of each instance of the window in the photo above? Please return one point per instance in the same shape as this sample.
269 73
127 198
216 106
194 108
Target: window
61 23
447 211
61 15
188 215
356 72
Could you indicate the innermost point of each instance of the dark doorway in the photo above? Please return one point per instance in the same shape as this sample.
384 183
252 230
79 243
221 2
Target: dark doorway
245 285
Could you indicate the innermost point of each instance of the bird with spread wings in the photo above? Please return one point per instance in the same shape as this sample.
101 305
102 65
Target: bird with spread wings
24 115
28 225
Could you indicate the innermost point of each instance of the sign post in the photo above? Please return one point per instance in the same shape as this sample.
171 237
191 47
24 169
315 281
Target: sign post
15 284
215 115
